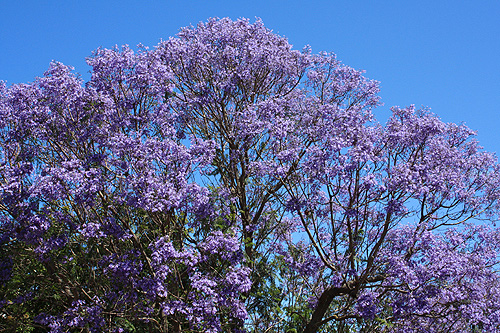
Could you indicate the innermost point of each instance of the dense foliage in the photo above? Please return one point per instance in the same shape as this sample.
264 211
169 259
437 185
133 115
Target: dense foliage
224 182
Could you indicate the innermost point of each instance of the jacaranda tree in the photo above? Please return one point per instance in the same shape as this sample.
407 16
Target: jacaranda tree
224 182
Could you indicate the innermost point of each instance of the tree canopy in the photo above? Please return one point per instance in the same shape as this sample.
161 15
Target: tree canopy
225 182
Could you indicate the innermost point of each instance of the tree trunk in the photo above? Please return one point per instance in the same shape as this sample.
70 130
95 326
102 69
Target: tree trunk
324 302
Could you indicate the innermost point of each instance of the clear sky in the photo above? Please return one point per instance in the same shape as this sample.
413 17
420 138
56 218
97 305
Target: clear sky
437 53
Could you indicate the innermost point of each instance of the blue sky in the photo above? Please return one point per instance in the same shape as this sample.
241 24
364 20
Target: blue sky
440 54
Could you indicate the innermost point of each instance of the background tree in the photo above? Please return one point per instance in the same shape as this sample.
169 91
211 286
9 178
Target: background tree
226 182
